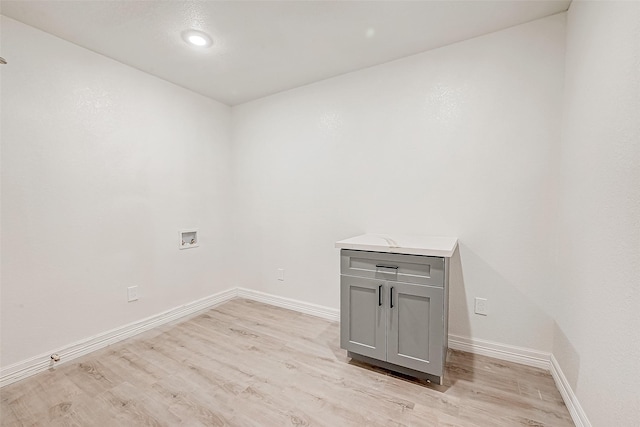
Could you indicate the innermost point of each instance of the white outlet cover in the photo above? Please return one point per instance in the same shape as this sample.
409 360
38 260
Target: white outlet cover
281 274
132 293
481 306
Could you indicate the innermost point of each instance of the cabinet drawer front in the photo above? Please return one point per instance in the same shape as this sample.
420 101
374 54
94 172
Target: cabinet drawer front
422 270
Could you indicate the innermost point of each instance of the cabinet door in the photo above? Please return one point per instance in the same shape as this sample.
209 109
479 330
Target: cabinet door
416 327
362 317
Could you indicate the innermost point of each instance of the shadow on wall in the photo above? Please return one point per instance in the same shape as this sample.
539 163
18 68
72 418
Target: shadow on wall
457 293
515 317
567 356
457 296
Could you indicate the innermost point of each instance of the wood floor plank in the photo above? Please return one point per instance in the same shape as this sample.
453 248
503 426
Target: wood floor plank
249 364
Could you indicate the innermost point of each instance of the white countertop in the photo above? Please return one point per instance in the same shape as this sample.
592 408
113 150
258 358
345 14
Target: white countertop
401 244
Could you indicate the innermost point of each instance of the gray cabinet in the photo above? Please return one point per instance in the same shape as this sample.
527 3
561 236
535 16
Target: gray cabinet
363 321
393 311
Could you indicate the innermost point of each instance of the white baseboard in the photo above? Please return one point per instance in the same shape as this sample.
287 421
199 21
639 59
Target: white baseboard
529 357
570 399
522 355
40 363
525 356
291 304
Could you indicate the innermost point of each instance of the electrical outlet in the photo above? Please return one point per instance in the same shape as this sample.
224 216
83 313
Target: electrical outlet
132 293
481 306
281 274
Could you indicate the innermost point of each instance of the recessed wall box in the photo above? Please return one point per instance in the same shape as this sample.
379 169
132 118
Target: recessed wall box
188 239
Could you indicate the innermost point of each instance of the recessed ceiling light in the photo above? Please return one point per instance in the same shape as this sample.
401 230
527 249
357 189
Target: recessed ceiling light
197 38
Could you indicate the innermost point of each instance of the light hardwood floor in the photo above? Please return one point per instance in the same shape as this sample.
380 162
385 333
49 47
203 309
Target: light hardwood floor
250 364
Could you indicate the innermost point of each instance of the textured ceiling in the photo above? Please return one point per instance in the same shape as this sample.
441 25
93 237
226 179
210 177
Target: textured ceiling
265 47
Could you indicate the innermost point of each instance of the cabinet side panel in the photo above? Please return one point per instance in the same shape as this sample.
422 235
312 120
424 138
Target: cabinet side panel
445 306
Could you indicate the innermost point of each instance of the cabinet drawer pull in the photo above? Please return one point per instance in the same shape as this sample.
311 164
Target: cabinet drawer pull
379 295
395 267
391 297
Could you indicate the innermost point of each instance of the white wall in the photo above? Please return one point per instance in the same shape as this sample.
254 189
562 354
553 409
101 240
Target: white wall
102 165
597 339
457 141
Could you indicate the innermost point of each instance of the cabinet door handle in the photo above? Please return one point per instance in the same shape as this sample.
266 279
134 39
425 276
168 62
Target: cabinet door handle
391 297
379 295
395 267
